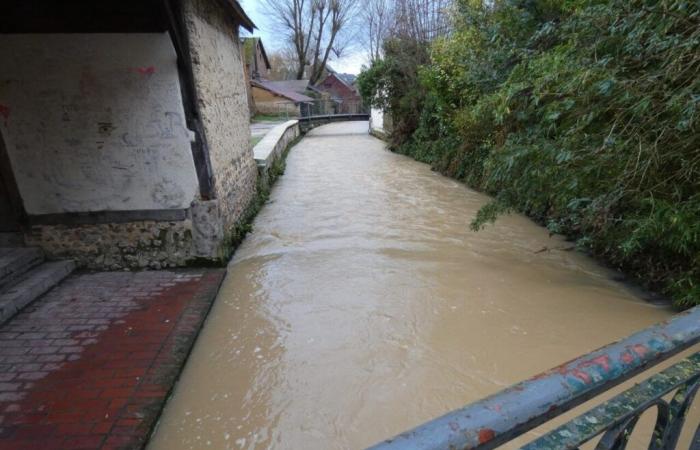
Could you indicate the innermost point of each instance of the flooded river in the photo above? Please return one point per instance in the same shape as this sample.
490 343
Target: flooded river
363 305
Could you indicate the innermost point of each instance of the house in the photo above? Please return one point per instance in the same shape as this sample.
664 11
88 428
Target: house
343 91
124 131
271 97
257 65
281 97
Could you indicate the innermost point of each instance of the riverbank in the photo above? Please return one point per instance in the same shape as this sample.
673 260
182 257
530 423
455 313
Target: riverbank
270 153
606 155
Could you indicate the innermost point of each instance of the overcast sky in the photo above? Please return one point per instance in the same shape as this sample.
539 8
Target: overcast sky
352 63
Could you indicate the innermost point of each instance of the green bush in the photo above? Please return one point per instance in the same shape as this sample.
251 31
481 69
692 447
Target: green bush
581 114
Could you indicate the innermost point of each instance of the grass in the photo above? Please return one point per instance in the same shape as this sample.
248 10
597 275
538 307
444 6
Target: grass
269 117
255 139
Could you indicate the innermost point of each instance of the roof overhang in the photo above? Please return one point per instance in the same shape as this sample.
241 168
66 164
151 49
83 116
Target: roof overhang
264 53
239 13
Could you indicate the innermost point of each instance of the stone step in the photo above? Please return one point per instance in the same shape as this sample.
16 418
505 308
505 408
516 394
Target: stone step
31 286
11 239
15 261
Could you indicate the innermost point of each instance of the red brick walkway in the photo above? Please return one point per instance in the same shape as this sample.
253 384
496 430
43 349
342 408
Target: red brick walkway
90 364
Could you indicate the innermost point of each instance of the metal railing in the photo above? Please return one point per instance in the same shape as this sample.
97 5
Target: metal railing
322 112
508 414
317 108
333 107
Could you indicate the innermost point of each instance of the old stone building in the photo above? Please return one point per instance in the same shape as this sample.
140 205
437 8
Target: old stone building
124 133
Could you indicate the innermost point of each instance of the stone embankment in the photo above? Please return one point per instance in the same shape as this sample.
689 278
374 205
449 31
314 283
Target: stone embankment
271 148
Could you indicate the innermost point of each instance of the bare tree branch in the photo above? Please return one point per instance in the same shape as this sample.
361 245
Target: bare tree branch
314 28
377 18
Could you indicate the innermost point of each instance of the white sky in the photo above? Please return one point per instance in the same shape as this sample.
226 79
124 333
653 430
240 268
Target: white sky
352 63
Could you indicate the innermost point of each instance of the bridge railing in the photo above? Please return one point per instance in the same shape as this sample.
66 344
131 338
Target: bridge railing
318 110
512 412
322 112
333 107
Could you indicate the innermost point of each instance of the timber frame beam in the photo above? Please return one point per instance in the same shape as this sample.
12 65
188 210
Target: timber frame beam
200 148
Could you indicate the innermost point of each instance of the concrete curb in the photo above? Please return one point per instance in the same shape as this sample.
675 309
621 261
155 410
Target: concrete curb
271 147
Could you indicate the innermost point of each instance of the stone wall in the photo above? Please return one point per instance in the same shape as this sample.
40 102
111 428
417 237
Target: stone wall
136 244
221 85
116 246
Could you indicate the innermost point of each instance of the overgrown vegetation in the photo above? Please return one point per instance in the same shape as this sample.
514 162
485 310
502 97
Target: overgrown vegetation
255 140
583 114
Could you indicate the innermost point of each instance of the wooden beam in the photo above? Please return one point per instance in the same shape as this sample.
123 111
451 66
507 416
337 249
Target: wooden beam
200 150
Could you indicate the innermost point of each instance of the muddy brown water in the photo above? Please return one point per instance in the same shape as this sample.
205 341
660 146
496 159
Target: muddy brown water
362 305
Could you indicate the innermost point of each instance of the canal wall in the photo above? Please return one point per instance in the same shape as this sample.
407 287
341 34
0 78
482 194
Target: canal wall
269 156
270 150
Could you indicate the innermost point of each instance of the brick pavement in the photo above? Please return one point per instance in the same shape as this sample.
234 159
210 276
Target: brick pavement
91 363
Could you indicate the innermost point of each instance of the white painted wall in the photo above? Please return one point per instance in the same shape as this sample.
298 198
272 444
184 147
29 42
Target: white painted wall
377 119
95 122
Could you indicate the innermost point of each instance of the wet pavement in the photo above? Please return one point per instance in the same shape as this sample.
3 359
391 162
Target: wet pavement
90 364
362 305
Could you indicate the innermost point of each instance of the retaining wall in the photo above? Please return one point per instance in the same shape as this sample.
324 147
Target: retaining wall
271 148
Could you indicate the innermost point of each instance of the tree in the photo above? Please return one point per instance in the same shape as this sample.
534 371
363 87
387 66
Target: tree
401 34
377 19
283 64
316 29
421 20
